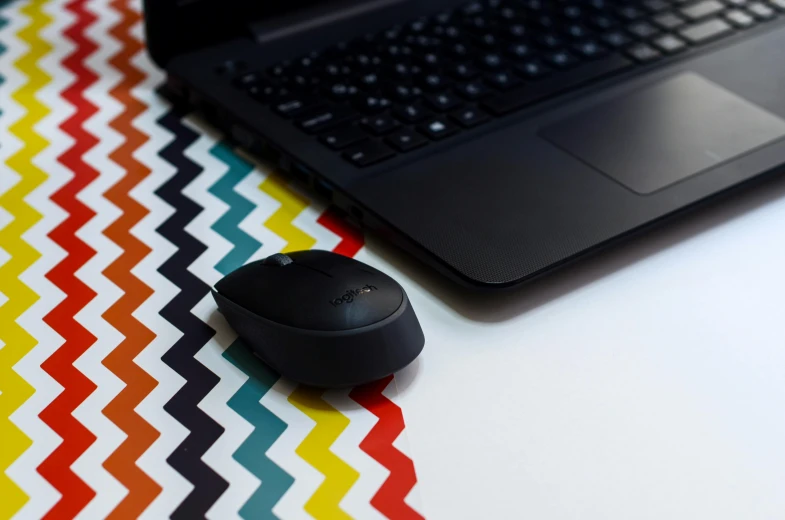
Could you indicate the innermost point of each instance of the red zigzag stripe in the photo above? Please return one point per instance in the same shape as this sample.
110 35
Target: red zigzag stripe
56 468
390 499
351 237
142 490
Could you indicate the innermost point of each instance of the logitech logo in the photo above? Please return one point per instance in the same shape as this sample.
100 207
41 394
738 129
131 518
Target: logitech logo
351 294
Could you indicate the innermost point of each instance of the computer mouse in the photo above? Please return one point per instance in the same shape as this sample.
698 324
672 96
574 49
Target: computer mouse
320 318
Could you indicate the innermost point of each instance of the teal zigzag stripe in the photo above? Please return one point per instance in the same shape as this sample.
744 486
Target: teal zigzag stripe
3 48
267 426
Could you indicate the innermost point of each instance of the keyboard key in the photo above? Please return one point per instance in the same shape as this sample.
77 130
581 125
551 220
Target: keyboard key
562 59
321 120
486 40
590 49
379 125
503 80
517 32
433 82
604 23
737 3
669 21
302 83
341 91
412 113
630 12
372 104
342 137
365 61
463 71
469 117
244 81
418 26
335 71
706 31
369 81
295 106
669 44
643 53
599 5
429 59
534 92
532 69
490 61
549 41
473 90
761 11
306 63
616 39
401 71
520 51
404 92
406 140
576 31
442 101
508 13
642 30
656 6
778 4
473 8
267 93
572 12
702 10
458 51
438 128
368 153
278 71
740 19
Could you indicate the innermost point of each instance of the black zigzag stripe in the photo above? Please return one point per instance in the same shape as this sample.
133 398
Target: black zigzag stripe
183 406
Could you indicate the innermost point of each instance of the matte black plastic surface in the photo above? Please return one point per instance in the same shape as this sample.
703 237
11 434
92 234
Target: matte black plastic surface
313 323
499 205
318 290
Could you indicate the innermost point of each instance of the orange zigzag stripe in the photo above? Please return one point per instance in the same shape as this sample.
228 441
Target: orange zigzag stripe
142 489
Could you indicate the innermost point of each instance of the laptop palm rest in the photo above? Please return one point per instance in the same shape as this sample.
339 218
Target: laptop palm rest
667 132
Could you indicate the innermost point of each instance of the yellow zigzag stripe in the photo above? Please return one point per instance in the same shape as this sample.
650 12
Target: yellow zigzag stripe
13 389
339 477
280 222
330 423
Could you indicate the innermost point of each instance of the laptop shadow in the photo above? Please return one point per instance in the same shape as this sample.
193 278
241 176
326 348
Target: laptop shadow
499 306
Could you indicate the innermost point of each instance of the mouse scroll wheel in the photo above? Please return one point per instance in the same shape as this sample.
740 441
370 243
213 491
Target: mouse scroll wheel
278 259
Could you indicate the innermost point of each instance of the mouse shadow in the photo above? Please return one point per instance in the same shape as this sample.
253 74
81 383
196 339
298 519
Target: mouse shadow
500 306
263 379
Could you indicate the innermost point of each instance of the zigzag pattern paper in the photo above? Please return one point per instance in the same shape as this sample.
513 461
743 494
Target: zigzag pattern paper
123 394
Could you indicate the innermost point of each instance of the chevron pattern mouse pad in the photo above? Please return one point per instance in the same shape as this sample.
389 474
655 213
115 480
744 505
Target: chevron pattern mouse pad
123 393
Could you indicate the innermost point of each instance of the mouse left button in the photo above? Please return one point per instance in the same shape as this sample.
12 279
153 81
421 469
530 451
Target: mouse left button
278 259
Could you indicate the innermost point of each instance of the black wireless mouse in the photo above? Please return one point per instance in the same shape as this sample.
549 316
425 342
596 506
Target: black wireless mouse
321 319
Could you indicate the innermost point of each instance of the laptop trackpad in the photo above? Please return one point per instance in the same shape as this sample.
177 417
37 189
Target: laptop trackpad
662 134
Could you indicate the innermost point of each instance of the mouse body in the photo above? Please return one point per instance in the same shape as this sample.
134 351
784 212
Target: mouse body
320 318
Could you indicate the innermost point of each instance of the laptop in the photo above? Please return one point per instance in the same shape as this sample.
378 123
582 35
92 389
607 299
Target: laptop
494 140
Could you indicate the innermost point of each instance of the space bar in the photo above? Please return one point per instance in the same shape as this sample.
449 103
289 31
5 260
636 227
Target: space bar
536 92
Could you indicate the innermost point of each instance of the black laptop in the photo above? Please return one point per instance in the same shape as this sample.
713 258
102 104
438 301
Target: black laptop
495 140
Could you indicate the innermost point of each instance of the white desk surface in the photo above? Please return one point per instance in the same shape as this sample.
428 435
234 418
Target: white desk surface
644 383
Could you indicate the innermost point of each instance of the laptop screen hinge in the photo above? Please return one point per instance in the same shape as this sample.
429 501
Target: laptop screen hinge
321 15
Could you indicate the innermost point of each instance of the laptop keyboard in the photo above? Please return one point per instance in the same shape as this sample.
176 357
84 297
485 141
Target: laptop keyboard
398 90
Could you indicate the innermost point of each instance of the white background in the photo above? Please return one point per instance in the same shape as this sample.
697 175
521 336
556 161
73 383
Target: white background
644 383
